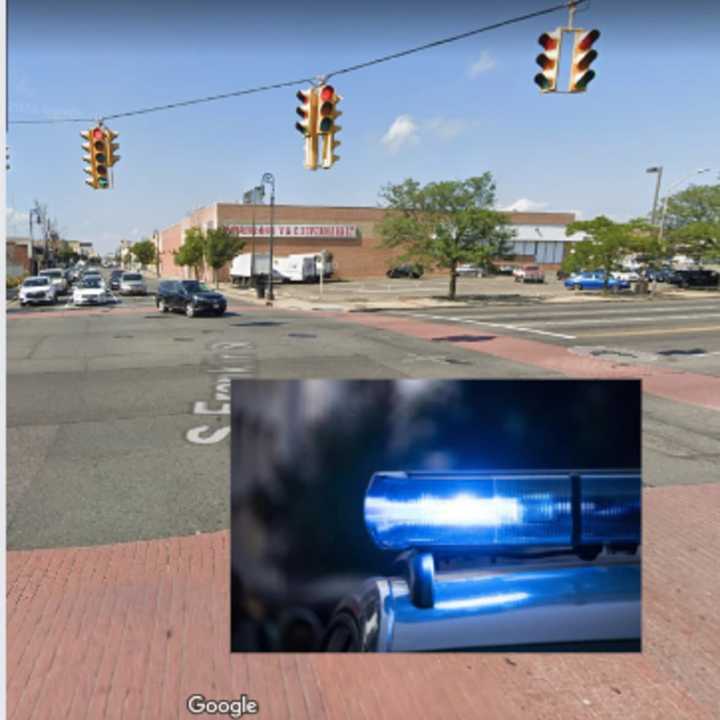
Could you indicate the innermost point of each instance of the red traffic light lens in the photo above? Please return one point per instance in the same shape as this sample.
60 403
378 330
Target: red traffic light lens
588 40
548 42
98 134
327 93
301 96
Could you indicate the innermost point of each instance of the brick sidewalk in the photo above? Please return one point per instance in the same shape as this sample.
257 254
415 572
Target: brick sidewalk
129 631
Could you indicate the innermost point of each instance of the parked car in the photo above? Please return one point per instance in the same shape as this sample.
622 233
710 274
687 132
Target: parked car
529 273
594 281
132 284
626 274
115 276
57 278
91 291
38 289
662 274
468 270
406 270
189 296
504 269
694 278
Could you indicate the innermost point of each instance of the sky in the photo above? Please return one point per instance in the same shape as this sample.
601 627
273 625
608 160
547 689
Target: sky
451 112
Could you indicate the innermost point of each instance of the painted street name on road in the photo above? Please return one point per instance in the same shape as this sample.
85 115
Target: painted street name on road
241 356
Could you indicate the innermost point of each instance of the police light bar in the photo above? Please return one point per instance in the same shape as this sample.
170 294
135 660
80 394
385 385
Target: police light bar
494 510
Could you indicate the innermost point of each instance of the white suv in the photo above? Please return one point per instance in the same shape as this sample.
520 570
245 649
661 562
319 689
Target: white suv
38 289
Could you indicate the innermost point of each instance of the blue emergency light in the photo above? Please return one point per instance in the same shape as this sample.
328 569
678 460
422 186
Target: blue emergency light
495 510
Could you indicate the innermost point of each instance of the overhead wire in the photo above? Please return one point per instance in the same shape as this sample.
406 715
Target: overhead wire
290 83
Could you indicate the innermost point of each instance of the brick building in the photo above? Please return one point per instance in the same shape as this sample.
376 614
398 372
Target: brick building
18 257
349 233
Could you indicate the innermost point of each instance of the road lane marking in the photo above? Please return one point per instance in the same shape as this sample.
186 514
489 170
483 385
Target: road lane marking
517 328
677 331
548 317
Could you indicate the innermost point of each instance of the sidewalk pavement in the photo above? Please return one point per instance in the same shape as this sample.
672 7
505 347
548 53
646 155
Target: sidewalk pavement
132 630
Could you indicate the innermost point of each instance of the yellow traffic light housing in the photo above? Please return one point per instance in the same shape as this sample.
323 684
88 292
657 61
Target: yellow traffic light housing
111 147
549 61
307 110
327 116
101 149
582 57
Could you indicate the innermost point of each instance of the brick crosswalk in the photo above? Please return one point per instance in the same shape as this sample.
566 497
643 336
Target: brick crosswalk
131 630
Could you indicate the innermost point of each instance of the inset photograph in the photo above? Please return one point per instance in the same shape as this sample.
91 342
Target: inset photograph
436 515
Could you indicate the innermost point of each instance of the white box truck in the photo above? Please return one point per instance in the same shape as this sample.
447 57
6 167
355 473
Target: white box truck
241 269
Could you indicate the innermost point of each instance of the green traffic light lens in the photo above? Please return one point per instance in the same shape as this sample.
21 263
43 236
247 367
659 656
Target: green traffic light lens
102 182
585 80
542 81
326 125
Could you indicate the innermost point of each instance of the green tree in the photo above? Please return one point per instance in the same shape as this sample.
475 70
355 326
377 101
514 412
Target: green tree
192 251
696 204
445 223
65 253
144 251
221 246
699 240
605 246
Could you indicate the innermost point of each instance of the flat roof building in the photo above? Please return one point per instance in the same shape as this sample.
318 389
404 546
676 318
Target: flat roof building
349 233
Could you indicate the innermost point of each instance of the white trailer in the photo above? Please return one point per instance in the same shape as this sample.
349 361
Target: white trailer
242 270
296 268
323 265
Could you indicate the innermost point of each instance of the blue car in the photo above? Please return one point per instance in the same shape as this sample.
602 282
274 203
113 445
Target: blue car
594 281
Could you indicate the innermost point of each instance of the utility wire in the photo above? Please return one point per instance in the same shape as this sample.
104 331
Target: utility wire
352 68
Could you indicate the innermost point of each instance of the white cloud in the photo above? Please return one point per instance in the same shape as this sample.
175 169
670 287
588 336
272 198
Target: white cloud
447 128
483 64
403 131
525 205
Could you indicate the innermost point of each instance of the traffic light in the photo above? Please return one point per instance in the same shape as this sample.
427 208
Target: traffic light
582 57
307 124
111 147
326 125
96 158
548 60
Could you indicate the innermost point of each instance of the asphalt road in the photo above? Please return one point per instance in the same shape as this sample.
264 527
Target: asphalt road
683 334
118 422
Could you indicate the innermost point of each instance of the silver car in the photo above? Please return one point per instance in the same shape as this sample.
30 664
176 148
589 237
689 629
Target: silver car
132 284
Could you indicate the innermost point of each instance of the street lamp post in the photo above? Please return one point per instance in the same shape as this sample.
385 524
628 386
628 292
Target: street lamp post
659 171
269 178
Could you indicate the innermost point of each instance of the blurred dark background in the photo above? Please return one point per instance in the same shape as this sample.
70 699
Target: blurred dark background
303 453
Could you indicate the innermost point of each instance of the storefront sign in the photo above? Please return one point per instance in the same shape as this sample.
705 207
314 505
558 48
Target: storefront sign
296 231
